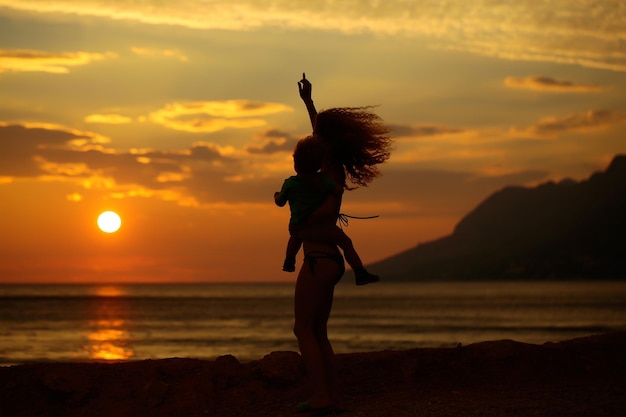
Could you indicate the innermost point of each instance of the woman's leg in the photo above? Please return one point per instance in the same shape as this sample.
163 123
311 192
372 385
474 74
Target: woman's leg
328 354
313 301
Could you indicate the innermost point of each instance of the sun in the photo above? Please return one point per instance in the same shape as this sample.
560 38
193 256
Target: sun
109 222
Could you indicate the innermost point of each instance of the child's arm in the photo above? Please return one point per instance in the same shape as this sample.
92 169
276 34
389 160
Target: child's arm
305 87
281 197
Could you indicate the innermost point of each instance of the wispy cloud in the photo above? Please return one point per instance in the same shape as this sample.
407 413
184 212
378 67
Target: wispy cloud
159 53
114 119
422 131
23 60
588 33
551 127
551 85
213 116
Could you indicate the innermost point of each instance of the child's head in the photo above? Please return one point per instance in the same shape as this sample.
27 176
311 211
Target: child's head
308 155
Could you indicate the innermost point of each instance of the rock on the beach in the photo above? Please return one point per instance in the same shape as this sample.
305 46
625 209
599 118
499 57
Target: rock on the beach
580 377
281 368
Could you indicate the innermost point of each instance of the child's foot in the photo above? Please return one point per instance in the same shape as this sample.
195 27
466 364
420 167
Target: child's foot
290 264
362 277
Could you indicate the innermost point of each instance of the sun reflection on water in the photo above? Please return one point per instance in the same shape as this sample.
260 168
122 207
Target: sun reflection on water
109 341
109 291
108 336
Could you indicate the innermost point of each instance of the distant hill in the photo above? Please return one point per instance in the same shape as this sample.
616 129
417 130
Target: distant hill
569 230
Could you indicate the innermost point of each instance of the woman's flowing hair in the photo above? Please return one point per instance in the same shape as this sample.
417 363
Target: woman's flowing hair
357 139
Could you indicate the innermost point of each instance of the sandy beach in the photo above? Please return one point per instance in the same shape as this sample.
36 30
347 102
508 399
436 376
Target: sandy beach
579 377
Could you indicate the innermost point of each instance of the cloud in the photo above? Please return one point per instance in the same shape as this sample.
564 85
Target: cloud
422 130
167 53
213 116
607 59
275 141
592 120
200 175
587 33
21 145
22 60
114 119
75 197
550 84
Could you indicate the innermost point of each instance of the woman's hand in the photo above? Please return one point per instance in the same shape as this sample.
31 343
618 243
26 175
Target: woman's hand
305 87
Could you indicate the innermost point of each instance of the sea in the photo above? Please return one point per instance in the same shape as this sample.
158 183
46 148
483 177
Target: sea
71 323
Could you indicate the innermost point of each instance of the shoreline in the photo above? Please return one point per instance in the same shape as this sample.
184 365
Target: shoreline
578 377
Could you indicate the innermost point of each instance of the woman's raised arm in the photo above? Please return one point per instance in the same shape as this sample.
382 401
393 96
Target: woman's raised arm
305 87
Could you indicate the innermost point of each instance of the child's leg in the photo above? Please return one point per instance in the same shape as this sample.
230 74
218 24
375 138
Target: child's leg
341 239
293 246
333 234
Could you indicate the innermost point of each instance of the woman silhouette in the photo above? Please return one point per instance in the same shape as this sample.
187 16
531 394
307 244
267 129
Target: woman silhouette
355 142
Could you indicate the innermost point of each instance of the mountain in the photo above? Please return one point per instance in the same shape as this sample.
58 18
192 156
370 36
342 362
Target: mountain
569 230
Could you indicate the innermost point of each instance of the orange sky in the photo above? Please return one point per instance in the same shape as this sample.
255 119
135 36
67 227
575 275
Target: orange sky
182 118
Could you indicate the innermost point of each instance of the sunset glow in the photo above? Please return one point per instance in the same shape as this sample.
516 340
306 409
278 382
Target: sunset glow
182 116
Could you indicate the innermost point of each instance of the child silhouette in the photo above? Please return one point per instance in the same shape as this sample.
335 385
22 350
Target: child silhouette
355 141
305 192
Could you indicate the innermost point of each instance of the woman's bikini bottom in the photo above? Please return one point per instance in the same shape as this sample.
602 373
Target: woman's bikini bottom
313 256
